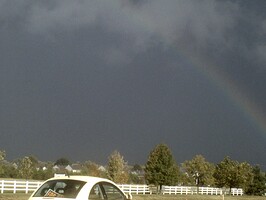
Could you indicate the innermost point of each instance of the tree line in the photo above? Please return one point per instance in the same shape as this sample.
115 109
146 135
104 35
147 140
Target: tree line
160 169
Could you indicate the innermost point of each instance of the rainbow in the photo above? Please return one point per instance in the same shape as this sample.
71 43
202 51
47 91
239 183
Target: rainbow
234 93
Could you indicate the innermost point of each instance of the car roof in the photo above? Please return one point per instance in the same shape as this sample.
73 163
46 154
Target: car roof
90 179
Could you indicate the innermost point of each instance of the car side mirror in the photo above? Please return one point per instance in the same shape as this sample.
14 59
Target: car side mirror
128 197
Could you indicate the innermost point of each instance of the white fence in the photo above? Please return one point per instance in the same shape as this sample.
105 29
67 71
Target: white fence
237 191
136 189
200 190
15 186
18 186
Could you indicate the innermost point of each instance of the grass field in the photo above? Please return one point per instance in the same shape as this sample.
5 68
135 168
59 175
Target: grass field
152 197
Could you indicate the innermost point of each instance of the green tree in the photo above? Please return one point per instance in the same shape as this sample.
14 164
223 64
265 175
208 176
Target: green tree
2 157
92 169
136 179
198 171
137 174
223 172
230 173
62 161
117 168
161 169
258 184
137 168
34 160
244 175
9 171
26 168
43 174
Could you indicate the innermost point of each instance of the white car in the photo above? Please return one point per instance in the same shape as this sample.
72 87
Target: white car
79 188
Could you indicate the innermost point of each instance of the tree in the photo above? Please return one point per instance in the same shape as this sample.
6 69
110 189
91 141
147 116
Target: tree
137 168
2 157
161 169
244 175
137 174
92 169
9 171
34 160
62 161
117 168
224 172
258 184
43 174
199 171
25 168
230 173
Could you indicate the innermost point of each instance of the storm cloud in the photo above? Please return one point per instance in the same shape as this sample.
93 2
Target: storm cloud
83 78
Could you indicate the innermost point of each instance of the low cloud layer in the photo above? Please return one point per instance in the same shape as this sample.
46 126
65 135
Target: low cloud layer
200 26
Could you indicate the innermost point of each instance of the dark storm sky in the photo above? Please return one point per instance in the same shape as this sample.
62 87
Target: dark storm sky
80 79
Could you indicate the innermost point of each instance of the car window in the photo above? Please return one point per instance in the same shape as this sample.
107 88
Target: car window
60 189
96 193
112 192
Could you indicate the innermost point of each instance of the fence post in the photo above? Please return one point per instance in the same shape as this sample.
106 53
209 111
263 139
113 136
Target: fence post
2 186
14 186
27 187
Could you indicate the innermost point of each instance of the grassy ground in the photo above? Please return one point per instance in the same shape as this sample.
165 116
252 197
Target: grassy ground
152 197
194 197
10 196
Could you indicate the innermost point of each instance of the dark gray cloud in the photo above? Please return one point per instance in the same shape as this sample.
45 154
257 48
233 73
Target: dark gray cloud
82 78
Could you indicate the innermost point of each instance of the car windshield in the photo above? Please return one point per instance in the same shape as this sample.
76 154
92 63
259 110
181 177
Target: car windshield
60 188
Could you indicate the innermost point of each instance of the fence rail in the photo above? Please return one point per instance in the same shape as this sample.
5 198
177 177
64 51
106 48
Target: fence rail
201 190
15 186
135 189
18 186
